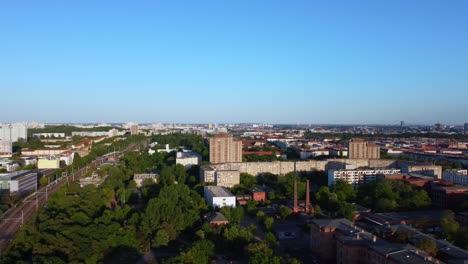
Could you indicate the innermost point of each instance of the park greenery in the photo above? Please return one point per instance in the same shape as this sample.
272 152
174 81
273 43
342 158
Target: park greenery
118 222
191 141
388 195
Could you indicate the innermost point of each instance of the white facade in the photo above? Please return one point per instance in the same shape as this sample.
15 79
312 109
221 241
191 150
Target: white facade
188 159
67 157
48 135
357 177
14 132
19 181
90 133
218 197
48 163
456 176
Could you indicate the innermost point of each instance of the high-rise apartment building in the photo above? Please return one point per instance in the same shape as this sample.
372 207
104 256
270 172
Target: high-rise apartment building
225 148
14 132
361 149
6 147
134 129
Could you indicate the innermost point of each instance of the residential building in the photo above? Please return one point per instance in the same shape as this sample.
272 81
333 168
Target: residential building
465 128
14 132
43 151
217 197
6 147
456 176
134 129
188 158
90 133
19 181
358 177
48 135
224 148
226 178
48 163
361 149
139 178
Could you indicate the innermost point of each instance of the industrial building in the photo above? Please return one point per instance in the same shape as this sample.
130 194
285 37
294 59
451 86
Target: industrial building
19 181
218 197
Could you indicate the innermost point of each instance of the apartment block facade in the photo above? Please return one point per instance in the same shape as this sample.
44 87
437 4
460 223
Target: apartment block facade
225 148
361 149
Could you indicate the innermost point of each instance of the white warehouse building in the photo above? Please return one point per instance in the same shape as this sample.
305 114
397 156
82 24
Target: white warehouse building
218 197
19 181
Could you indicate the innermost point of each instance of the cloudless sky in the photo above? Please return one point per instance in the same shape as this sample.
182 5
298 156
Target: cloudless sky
234 61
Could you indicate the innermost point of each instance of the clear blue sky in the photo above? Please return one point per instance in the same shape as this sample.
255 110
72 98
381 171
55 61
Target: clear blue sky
234 61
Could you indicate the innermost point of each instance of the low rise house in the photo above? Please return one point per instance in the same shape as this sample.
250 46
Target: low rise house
217 219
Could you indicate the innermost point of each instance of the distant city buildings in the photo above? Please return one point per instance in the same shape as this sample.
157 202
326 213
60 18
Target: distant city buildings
134 129
48 135
217 197
20 181
90 133
465 128
14 132
224 148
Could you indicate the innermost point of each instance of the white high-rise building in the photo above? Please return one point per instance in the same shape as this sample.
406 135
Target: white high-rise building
14 132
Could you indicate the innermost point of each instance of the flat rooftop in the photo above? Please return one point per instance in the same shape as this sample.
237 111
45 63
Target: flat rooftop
218 191
14 175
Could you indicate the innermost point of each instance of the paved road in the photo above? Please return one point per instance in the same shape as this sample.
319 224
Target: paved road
24 212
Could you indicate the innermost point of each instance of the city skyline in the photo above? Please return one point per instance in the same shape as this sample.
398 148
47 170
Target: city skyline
242 62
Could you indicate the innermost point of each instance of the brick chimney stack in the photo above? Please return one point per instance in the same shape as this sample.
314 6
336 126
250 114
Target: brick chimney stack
307 202
296 208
